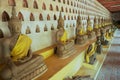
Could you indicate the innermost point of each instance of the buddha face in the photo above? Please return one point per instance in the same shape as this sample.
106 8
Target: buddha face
15 28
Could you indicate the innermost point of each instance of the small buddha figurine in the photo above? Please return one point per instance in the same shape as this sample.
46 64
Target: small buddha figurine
90 32
81 37
65 47
18 62
90 56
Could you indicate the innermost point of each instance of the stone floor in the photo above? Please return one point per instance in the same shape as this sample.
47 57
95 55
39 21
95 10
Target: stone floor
111 66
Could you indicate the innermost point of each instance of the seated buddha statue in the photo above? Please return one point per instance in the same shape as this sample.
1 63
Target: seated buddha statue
90 32
18 62
81 37
65 47
90 56
109 32
103 39
96 28
98 46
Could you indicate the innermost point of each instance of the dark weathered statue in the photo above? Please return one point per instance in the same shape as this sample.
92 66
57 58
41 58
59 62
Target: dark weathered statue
90 56
81 37
16 58
65 47
103 39
98 34
98 46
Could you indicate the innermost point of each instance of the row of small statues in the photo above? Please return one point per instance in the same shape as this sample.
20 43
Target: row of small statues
16 59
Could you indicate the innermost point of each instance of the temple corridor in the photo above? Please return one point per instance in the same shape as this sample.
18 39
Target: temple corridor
111 67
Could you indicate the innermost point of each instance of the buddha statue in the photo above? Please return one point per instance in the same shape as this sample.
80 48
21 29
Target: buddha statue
90 32
65 47
98 34
96 27
81 37
17 60
98 46
104 42
90 56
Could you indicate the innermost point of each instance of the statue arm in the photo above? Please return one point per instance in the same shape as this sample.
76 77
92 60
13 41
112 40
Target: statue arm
7 57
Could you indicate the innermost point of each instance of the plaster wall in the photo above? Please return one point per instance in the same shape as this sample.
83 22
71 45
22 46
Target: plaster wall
43 39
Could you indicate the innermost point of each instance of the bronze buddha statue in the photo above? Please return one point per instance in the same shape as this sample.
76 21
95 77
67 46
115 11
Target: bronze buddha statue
65 47
90 56
18 62
90 32
81 37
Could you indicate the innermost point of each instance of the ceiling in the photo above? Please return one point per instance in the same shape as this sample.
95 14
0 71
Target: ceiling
111 5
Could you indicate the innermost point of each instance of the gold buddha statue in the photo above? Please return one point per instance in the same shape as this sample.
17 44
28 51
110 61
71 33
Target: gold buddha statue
81 37
90 32
16 58
65 47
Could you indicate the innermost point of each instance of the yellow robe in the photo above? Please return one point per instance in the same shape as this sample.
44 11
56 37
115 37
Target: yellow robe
90 53
64 37
21 48
81 32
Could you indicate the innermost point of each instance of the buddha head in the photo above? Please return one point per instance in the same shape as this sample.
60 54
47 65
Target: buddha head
78 20
60 21
14 24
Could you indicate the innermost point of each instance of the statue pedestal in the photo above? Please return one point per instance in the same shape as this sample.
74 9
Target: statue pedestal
90 66
81 39
91 34
65 50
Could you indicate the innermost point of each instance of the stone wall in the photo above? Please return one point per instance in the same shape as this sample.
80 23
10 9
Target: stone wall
45 13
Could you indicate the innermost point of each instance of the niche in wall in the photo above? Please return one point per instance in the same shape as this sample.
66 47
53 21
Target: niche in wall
40 17
44 6
20 16
32 17
25 3
1 34
55 18
35 5
45 28
48 17
51 7
5 16
11 3
52 27
57 9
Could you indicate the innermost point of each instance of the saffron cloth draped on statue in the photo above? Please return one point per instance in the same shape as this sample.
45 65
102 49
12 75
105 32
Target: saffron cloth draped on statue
21 48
